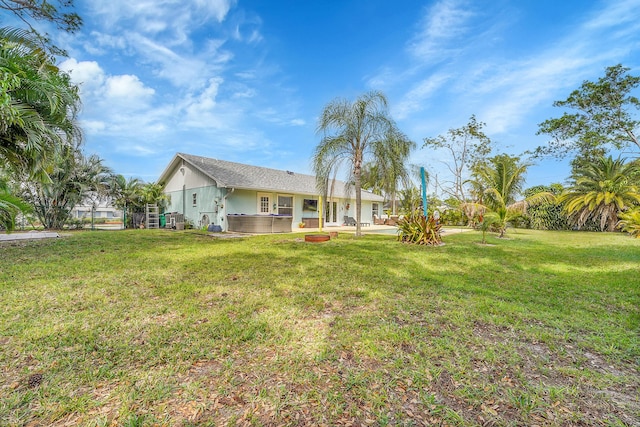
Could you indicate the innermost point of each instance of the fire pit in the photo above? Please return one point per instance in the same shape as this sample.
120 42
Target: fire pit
315 238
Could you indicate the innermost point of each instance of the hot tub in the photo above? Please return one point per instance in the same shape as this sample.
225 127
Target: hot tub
259 223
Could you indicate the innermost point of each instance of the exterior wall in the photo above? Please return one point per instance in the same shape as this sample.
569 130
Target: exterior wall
187 175
209 201
184 182
102 209
242 202
366 213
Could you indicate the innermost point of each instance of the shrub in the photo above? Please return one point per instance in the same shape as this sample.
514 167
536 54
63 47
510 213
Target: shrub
416 228
547 215
630 222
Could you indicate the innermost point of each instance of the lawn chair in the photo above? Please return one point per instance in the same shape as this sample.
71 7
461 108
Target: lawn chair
349 220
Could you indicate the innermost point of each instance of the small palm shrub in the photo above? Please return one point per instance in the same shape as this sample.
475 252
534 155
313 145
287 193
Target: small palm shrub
490 221
630 222
418 229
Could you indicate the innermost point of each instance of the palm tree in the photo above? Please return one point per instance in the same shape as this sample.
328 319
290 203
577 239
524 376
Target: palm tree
354 133
10 206
153 193
71 179
126 194
393 166
389 174
630 222
39 103
601 190
501 180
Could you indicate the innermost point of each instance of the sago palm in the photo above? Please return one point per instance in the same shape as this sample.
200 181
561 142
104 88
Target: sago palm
601 190
630 222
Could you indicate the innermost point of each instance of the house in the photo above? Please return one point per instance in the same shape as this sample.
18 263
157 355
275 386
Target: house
102 208
210 191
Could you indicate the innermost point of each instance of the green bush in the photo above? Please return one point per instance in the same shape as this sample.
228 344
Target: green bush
75 223
546 215
630 222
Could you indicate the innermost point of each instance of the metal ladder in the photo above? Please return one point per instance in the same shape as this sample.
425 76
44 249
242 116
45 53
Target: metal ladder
153 219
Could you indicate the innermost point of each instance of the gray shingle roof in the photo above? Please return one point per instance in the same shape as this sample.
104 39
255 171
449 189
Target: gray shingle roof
241 176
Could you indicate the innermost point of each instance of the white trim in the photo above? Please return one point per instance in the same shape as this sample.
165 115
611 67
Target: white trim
293 201
259 201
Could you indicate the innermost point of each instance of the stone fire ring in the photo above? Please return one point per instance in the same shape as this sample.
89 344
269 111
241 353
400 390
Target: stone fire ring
315 238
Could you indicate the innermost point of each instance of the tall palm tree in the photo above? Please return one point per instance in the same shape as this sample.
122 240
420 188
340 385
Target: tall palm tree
393 164
354 132
601 190
38 103
390 173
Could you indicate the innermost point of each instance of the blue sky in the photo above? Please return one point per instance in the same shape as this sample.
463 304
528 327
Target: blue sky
246 80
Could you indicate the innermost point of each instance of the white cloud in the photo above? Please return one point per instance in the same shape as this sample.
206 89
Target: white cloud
115 104
415 99
93 126
96 88
245 93
105 41
153 16
444 23
204 103
87 74
127 88
621 13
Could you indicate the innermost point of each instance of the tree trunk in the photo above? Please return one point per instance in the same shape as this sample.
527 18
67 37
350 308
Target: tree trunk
357 171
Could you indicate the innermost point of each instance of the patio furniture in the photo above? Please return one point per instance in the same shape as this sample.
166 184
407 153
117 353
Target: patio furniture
349 220
378 221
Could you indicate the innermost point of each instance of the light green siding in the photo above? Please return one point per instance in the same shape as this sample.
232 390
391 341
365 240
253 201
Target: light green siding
208 202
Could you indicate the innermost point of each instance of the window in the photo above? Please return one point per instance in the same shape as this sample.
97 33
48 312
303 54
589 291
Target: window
285 205
374 210
195 199
263 204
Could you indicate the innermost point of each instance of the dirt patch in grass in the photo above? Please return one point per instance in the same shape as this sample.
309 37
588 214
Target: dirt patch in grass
565 385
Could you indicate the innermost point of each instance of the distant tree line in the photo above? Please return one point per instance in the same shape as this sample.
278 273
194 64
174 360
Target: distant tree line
485 189
603 191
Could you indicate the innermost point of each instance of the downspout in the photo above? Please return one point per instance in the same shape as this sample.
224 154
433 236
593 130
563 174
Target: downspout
224 205
184 201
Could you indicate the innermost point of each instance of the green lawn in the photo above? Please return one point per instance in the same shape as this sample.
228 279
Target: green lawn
181 329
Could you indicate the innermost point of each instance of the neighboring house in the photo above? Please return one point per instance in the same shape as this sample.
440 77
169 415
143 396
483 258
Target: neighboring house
210 191
102 209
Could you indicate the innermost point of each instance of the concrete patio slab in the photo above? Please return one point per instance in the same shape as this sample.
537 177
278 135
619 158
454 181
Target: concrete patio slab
27 235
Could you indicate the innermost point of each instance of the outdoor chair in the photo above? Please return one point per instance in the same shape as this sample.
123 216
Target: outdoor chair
349 220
